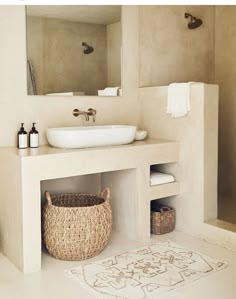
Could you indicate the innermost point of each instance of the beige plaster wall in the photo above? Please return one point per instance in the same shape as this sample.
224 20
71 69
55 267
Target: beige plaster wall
16 106
225 76
114 54
55 48
171 52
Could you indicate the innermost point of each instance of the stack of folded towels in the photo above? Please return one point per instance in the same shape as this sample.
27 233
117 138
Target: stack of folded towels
158 178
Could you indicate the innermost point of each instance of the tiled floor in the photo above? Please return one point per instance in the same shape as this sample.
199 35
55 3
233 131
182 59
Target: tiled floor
51 282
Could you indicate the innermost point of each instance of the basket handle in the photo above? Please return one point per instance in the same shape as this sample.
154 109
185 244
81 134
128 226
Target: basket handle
106 193
162 210
48 198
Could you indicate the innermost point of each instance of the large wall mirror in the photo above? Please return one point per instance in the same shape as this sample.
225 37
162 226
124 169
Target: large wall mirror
74 50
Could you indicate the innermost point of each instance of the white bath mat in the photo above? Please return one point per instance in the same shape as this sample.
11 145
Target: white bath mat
145 272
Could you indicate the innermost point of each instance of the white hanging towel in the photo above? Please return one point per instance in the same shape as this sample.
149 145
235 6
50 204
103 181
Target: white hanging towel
178 100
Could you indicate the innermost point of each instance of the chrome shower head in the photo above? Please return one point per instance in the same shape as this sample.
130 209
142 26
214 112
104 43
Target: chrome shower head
87 49
194 22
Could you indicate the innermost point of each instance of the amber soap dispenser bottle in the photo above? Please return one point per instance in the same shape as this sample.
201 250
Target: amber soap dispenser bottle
22 137
33 137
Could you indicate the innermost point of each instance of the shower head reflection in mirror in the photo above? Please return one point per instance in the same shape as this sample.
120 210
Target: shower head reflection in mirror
75 50
87 49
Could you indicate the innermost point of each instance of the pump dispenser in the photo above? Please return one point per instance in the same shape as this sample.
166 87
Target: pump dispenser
22 137
34 137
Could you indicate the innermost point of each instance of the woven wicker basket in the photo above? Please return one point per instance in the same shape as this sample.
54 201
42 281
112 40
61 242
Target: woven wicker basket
162 219
76 226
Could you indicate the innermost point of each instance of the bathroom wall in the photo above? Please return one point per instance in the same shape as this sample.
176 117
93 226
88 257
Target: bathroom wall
188 56
225 76
114 54
17 107
169 51
55 48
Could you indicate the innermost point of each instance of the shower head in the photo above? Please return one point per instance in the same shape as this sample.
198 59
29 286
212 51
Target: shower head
87 48
194 22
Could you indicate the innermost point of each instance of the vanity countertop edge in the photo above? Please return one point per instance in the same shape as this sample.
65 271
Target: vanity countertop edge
45 150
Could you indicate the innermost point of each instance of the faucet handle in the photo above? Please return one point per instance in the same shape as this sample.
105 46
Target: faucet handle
77 112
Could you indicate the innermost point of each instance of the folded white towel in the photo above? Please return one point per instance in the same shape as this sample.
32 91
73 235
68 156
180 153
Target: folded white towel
158 178
112 91
178 101
109 91
69 93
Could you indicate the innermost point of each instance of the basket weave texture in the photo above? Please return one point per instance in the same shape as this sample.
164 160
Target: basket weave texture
77 226
162 220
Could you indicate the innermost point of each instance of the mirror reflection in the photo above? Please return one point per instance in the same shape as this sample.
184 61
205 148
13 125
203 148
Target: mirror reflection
74 50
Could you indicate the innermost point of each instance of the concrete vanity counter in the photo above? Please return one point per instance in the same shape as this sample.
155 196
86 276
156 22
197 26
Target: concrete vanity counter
125 169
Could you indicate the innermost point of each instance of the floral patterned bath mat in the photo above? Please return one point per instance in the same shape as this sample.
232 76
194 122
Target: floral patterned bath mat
144 273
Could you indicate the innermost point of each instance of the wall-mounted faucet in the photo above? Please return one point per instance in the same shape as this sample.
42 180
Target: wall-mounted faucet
91 112
77 112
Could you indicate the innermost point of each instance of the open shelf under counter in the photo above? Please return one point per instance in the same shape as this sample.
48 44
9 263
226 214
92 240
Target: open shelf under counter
123 168
164 190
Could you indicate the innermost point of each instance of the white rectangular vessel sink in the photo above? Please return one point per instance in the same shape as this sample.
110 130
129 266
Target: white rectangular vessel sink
92 136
